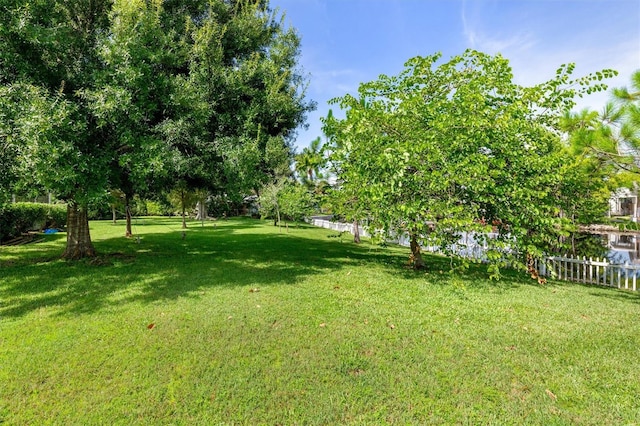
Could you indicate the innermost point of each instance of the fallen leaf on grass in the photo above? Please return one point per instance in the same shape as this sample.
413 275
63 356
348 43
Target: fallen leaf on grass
254 290
150 326
391 326
348 273
229 317
551 395
356 372
323 325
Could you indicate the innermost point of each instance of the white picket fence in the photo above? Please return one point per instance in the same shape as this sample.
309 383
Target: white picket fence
590 271
336 226
466 247
402 240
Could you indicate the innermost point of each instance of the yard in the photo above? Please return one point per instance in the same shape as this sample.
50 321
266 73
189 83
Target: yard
241 322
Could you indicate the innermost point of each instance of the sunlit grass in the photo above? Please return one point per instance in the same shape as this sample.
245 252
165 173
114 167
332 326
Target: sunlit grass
242 323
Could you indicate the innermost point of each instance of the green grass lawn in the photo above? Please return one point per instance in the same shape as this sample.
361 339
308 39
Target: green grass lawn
242 324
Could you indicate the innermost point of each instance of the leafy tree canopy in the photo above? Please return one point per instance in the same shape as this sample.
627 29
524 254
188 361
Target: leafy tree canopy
452 147
137 95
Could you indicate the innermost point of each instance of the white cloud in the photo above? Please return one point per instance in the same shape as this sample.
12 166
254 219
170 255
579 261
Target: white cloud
491 42
327 84
536 49
536 66
335 82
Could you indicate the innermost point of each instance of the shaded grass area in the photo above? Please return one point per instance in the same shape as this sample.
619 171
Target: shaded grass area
241 323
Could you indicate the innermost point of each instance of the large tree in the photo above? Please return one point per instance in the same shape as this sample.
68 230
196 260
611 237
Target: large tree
131 96
244 98
49 54
452 147
137 95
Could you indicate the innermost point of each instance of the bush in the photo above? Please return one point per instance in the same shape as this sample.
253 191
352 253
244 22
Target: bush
295 202
18 218
157 208
56 216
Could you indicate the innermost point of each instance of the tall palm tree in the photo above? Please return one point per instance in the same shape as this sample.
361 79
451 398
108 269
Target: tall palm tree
310 161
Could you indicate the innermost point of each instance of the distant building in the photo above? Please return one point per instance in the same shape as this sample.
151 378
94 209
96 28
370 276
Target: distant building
624 202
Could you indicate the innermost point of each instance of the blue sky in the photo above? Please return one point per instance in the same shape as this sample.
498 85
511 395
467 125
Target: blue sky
347 42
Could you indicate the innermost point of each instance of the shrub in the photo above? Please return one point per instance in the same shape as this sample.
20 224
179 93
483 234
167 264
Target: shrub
295 202
158 208
18 218
56 215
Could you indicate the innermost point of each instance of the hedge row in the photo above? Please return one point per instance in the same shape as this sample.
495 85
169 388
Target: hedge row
18 218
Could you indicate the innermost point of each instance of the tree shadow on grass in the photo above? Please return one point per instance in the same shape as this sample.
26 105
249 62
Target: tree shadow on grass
163 266
622 295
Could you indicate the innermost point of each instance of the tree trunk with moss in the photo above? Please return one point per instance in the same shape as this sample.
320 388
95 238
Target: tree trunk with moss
79 243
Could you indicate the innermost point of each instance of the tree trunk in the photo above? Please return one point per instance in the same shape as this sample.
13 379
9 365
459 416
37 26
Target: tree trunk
114 214
278 218
183 202
127 210
356 232
78 238
416 257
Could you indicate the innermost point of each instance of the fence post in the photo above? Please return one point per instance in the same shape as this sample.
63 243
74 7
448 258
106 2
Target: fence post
626 275
610 276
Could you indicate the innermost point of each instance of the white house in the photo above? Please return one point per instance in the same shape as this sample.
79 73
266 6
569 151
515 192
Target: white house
624 202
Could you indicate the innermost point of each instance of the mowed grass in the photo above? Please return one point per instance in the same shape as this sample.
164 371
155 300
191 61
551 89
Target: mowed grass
239 323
